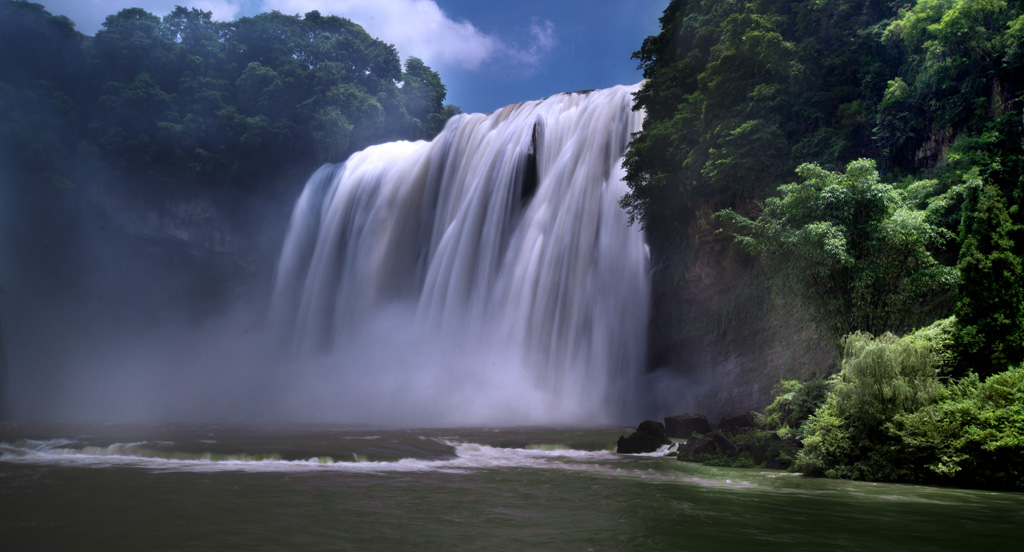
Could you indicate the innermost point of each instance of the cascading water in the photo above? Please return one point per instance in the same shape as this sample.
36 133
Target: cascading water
488 276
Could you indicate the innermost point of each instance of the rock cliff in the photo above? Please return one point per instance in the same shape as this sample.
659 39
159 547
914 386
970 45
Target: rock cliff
716 323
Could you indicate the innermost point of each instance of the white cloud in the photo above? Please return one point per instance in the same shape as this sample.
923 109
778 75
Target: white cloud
416 27
544 41
420 28
223 10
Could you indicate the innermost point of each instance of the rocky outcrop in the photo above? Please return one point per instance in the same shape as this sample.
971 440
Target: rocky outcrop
648 437
197 222
682 426
714 443
717 325
738 421
740 440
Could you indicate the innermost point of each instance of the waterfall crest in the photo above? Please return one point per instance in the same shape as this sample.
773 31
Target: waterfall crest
487 276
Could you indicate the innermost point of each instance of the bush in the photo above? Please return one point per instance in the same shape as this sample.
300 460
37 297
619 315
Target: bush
975 435
793 405
856 250
880 379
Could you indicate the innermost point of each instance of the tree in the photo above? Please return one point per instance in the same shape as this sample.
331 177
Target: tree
962 68
133 42
741 93
855 249
881 378
38 46
423 94
974 435
989 331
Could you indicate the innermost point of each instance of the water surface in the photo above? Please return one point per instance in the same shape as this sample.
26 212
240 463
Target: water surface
208 487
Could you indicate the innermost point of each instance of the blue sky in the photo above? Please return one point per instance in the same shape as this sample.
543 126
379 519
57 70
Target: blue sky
489 53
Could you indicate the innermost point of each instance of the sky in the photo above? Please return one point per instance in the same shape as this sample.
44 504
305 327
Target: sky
489 53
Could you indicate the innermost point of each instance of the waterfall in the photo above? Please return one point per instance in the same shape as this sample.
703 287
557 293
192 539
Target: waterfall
487 276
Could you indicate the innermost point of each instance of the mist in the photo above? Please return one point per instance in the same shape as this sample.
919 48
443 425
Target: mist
485 278
164 260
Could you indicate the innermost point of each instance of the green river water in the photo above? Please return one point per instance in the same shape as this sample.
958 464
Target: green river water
208 487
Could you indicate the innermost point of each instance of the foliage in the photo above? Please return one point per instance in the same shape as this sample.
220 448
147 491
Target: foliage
989 333
954 51
880 378
741 93
793 404
855 249
181 102
975 435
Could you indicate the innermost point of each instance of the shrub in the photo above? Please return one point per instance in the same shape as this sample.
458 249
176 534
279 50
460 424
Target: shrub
793 405
975 435
880 378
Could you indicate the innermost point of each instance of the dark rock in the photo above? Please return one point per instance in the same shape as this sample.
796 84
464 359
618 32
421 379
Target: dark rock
723 444
697 445
682 426
648 437
738 421
656 429
706 445
735 366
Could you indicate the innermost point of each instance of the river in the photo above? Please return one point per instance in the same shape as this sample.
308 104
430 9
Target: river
211 487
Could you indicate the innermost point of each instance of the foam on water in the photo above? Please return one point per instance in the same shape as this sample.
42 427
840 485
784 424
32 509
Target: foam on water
466 456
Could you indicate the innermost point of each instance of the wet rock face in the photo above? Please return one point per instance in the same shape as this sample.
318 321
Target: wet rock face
738 421
648 437
682 426
714 443
717 323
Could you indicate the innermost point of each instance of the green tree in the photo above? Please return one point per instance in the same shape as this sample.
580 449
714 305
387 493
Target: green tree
974 435
133 42
855 249
962 68
137 126
741 93
39 46
881 378
423 95
989 333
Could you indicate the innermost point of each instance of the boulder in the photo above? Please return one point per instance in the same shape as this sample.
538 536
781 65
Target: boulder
682 426
705 445
723 444
648 437
738 422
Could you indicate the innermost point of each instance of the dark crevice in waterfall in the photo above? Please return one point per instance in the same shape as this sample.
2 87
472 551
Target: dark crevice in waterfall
530 177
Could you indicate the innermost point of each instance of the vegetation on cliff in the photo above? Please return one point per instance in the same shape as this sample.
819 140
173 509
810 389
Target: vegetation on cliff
183 102
904 123
855 249
145 149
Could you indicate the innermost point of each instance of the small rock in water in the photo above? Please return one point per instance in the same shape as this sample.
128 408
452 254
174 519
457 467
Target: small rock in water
648 437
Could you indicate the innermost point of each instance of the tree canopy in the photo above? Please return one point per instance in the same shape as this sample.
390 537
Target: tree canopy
740 95
183 101
855 249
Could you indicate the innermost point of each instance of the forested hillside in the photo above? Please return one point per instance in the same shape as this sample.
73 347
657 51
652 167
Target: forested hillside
172 148
862 165
184 101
